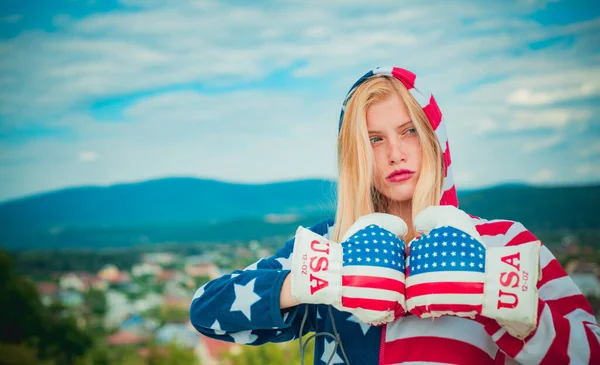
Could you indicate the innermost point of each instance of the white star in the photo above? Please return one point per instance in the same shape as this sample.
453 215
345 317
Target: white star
372 233
453 253
463 244
350 260
472 264
376 250
377 260
381 233
385 251
444 253
462 254
444 243
393 252
393 262
366 241
244 337
453 263
426 255
480 256
286 263
384 242
253 266
420 247
434 254
435 235
244 298
419 267
426 266
386 261
371 226
367 249
444 264
472 254
419 257
374 241
463 235
427 245
349 251
445 234
472 245
454 234
434 264
199 292
358 250
368 259
462 264
453 243
359 259
391 235
217 328
328 352
435 244
480 266
363 326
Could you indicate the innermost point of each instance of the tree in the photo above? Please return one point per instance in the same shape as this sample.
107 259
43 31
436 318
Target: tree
50 332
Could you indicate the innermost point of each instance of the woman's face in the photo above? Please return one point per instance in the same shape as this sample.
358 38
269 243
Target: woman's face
396 148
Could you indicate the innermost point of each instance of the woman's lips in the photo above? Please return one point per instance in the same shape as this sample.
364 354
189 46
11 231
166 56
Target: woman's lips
401 175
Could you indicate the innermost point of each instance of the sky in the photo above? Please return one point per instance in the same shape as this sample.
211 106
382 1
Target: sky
118 91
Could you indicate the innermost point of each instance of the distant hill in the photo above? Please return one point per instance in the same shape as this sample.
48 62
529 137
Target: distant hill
189 209
171 200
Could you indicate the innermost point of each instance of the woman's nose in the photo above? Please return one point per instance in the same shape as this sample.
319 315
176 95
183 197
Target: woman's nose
396 153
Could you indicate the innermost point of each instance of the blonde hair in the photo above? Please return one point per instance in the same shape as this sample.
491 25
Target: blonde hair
356 195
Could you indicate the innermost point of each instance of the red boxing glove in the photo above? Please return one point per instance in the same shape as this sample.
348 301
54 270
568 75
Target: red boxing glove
451 271
364 275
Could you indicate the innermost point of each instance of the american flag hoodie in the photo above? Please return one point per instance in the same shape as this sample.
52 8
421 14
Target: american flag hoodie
243 306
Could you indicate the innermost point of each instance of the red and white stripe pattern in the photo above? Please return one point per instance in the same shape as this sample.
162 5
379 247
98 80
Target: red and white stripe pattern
376 290
567 331
433 113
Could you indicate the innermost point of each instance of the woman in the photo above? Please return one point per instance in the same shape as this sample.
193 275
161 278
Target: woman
394 159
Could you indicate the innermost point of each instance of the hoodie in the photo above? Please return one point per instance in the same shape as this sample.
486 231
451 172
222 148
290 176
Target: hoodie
243 306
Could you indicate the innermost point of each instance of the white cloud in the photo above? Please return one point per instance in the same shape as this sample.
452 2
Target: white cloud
588 169
87 156
530 97
541 143
592 149
543 176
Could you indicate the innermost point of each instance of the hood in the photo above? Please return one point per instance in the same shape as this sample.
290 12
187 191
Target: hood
433 113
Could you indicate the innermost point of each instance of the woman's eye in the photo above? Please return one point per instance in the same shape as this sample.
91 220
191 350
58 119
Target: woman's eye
411 130
375 139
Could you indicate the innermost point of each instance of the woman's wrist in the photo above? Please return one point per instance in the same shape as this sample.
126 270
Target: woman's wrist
286 299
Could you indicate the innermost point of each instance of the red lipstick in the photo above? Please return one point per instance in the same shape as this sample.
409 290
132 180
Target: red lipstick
400 175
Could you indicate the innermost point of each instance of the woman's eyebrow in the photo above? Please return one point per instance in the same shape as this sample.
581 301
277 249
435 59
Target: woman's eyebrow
408 122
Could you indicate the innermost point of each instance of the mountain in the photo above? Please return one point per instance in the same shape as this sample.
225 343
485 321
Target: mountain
189 209
168 200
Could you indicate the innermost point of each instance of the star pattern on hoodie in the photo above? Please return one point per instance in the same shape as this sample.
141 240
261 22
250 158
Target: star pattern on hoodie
243 337
329 348
216 326
244 298
363 326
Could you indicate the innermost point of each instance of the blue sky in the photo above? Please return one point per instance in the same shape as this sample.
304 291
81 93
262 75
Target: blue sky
97 93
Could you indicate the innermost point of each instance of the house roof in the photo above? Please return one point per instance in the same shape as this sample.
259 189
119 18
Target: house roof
47 288
216 347
126 338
